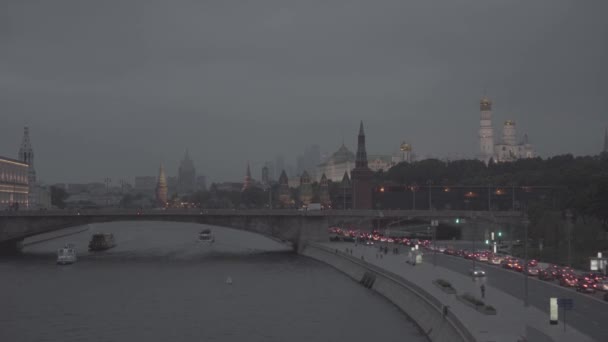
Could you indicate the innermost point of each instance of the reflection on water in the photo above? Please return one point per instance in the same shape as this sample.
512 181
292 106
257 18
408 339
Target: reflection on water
160 284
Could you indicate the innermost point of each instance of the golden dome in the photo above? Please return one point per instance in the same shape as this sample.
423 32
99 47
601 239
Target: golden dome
509 123
485 100
405 147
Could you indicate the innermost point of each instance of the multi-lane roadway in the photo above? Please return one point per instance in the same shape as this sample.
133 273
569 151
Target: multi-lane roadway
590 314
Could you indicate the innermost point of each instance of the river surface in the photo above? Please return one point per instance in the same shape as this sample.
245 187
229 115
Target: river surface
161 284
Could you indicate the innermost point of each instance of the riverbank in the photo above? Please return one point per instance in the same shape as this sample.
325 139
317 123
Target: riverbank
424 309
511 322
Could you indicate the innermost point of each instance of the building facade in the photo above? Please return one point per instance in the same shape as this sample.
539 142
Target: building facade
509 148
161 188
379 162
14 185
26 155
343 160
145 185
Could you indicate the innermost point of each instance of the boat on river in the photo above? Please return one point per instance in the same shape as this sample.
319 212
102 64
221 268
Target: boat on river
66 255
206 236
101 242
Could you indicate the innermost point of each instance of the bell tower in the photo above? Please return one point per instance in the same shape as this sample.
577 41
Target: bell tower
486 132
26 155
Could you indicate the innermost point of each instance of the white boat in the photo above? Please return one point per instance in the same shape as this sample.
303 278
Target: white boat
206 236
66 255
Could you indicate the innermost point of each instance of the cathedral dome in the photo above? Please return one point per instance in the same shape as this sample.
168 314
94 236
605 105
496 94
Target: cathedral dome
342 155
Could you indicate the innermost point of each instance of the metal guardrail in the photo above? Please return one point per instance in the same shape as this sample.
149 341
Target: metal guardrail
417 290
270 212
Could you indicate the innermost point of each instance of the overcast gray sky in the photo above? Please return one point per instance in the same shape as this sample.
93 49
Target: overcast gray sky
112 88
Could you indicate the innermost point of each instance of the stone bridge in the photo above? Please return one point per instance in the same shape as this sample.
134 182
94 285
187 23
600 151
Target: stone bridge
292 226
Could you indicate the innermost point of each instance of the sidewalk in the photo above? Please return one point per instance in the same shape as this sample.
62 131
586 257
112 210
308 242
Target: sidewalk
508 325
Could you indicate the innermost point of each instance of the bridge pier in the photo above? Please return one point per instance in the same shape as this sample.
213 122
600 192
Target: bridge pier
11 247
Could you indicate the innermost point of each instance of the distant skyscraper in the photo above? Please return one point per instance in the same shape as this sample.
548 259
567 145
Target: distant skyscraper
284 192
146 184
324 197
201 183
271 171
186 176
26 155
247 182
265 176
362 176
305 188
161 188
279 164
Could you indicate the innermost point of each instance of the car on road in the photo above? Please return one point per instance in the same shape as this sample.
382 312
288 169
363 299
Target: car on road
495 260
531 271
585 287
477 272
602 285
595 276
568 281
546 274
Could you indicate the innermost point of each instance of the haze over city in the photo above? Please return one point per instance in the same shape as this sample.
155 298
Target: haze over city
111 89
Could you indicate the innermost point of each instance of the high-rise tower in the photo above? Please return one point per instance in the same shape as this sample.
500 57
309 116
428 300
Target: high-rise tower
26 155
186 176
284 193
486 132
324 197
361 176
161 188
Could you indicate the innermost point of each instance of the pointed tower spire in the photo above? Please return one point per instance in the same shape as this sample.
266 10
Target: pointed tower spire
161 187
247 183
361 159
26 155
361 176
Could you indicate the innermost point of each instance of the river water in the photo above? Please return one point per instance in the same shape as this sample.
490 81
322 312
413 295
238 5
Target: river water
160 284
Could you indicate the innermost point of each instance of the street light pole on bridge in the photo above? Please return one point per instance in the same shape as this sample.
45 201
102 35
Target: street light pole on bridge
526 223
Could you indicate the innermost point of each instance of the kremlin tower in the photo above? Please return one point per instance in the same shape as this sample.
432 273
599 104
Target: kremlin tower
486 132
161 188
247 183
361 176
26 155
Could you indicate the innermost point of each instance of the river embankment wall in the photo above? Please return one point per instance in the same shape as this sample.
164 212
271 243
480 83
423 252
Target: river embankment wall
437 322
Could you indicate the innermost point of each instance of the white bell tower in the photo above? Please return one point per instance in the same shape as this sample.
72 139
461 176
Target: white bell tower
486 132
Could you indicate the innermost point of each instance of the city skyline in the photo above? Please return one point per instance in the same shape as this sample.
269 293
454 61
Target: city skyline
115 102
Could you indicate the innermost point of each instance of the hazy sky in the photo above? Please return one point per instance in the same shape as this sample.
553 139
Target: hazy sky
112 88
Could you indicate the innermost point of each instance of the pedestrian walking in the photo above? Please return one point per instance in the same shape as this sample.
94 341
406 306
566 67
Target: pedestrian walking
483 291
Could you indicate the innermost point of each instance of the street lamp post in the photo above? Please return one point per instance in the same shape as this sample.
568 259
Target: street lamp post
569 228
413 188
107 180
526 223
489 198
434 224
429 183
474 238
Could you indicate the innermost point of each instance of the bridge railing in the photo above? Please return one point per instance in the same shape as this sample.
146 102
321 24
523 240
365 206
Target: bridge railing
270 212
